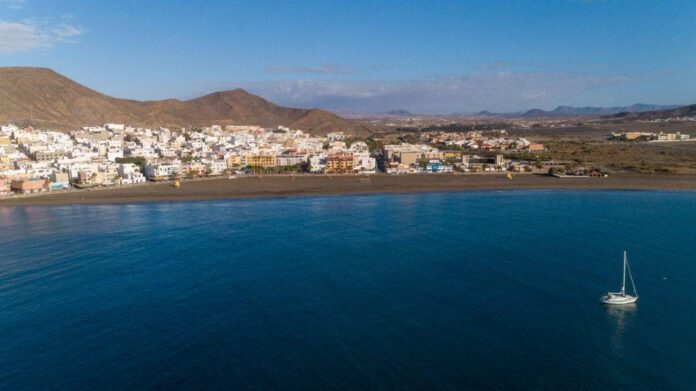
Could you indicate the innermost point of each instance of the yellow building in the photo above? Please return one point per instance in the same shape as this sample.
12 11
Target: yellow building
234 161
451 154
408 157
631 136
262 160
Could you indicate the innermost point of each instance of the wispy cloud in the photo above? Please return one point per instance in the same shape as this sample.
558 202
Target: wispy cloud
13 4
324 69
28 35
501 91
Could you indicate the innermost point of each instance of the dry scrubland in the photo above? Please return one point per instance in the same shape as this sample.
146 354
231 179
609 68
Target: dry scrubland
588 146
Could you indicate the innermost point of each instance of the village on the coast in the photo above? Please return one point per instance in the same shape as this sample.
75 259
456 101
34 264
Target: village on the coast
36 161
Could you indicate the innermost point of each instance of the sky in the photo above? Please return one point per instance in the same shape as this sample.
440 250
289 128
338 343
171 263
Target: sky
431 57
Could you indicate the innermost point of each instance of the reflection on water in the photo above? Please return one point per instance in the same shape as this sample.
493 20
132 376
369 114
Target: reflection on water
620 317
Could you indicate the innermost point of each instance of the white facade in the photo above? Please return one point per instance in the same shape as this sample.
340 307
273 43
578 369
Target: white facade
158 170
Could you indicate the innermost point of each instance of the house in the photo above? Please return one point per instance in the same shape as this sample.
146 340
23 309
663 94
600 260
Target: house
193 169
129 173
162 171
59 180
94 178
317 164
29 186
363 162
234 161
216 167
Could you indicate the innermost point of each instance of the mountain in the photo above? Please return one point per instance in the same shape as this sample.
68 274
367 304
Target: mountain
570 111
683 111
536 113
42 97
400 113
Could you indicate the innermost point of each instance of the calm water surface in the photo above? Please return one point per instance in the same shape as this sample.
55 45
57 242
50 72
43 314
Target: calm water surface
426 291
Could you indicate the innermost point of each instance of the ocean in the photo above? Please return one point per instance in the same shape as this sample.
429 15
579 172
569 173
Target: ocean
472 290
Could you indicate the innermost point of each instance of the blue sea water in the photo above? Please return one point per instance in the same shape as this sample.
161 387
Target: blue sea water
424 291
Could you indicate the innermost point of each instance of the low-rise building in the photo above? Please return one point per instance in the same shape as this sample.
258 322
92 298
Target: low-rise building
339 163
162 171
59 180
234 161
437 166
292 159
363 162
29 186
216 167
5 189
317 164
48 156
261 160
129 173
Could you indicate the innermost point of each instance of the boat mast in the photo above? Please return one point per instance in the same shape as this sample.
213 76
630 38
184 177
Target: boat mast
623 282
633 284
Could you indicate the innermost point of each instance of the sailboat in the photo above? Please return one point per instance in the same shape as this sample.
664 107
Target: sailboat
622 297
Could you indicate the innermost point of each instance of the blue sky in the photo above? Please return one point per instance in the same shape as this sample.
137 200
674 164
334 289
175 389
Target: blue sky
367 56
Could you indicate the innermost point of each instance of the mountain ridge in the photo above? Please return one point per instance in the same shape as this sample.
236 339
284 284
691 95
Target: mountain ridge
585 111
681 111
43 97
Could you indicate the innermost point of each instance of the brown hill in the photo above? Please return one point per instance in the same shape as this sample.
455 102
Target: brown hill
42 97
685 111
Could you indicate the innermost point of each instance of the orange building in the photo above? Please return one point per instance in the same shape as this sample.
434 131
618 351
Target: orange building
536 147
29 186
339 163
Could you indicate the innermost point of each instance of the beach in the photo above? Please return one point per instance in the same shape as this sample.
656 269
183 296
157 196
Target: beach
298 185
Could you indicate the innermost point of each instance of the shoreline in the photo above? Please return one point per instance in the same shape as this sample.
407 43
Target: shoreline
312 185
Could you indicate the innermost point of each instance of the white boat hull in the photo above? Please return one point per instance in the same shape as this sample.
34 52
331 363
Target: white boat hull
618 299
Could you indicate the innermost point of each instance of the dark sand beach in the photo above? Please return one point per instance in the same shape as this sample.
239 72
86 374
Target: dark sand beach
279 186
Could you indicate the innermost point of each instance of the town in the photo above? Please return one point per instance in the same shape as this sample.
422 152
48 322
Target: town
33 161
38 161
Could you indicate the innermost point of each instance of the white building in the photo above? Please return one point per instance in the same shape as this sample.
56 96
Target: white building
154 171
363 162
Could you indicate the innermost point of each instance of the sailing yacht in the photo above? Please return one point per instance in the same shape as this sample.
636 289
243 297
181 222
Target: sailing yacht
622 297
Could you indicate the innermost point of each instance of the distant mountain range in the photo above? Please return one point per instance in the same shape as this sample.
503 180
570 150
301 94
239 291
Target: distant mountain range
570 111
682 111
42 97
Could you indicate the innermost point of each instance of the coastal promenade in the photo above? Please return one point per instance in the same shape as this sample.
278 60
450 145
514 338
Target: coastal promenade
297 185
